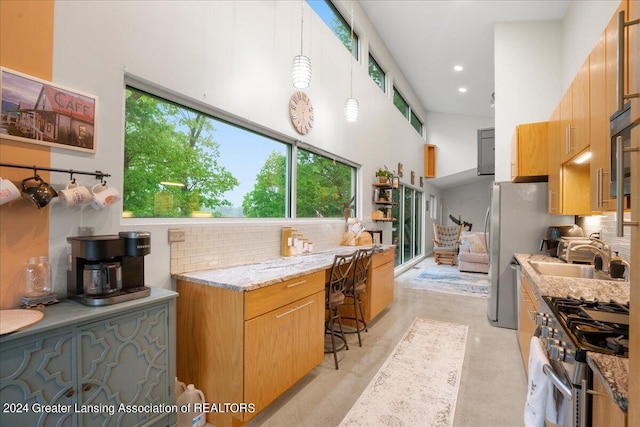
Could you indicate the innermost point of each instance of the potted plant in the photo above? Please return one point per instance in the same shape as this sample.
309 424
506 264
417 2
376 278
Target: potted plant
383 176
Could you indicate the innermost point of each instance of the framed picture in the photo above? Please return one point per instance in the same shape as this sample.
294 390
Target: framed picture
41 112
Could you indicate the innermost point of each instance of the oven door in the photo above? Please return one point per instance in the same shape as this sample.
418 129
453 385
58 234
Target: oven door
560 399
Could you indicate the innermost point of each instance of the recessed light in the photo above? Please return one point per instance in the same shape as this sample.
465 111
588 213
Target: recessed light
458 68
462 89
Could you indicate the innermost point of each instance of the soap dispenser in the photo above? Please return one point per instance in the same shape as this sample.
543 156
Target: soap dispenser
616 267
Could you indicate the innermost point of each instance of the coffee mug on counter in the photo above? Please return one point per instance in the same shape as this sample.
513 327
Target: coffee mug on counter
37 192
75 194
103 196
8 191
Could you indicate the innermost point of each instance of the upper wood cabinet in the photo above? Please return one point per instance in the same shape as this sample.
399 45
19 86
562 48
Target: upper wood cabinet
599 127
529 153
575 115
429 160
555 166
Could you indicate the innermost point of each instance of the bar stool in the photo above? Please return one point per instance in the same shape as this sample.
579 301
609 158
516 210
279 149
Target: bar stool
339 276
355 287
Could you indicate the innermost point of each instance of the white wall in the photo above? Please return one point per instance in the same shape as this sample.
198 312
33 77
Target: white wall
470 202
456 137
235 56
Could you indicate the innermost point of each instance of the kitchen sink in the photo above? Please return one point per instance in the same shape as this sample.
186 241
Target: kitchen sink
584 271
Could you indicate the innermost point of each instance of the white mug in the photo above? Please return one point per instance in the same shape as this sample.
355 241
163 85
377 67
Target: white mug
8 191
75 194
103 196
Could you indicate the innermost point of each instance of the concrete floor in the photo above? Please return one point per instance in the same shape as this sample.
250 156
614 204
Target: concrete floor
493 386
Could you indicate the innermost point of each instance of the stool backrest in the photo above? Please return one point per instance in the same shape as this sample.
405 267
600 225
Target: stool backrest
362 264
340 272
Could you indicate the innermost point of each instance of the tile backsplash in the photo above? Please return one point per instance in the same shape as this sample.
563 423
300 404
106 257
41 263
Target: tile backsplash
223 245
606 226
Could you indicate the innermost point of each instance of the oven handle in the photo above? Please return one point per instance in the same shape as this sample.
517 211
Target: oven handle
557 382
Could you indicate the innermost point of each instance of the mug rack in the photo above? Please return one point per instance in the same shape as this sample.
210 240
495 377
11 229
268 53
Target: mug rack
98 174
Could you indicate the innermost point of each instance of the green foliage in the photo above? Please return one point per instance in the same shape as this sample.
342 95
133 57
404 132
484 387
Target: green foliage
167 143
268 197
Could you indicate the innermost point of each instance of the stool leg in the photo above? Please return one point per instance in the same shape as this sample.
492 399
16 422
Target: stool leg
333 342
357 309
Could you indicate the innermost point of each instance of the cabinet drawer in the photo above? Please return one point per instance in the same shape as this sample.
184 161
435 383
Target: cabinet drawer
269 298
382 258
531 290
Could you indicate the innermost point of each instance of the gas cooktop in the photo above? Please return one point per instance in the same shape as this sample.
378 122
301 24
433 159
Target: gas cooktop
593 325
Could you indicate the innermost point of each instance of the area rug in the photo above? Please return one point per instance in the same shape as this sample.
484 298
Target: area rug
449 280
418 383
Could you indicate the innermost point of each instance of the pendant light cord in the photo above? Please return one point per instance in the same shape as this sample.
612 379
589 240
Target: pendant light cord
301 24
352 50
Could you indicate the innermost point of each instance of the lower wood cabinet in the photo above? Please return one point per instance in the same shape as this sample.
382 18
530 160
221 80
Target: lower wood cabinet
529 304
380 284
605 412
249 347
87 369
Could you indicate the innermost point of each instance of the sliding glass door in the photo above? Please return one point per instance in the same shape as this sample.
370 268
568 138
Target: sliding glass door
407 224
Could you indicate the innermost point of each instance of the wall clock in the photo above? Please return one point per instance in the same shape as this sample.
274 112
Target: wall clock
301 112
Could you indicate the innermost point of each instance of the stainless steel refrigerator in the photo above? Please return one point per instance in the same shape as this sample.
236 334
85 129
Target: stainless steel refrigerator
517 221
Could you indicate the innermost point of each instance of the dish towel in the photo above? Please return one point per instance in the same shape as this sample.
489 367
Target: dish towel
534 409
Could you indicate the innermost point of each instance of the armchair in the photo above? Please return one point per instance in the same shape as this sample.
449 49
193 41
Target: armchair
446 242
474 254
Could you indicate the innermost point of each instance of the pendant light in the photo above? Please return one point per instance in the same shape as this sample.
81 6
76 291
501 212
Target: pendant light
351 107
301 69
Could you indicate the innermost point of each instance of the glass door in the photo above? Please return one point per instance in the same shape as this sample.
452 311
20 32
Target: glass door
407 224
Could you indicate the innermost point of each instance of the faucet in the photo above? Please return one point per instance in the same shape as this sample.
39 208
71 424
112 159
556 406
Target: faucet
606 255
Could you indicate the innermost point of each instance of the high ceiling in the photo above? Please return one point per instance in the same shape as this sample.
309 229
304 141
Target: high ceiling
428 37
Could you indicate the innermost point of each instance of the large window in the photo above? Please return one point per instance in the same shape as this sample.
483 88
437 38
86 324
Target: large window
330 15
182 162
376 73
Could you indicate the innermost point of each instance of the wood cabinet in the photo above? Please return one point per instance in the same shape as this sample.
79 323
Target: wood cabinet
429 160
530 153
605 412
380 284
600 168
249 346
555 166
574 113
96 361
529 304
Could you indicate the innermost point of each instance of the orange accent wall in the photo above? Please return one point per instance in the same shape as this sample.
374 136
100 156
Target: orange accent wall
26 45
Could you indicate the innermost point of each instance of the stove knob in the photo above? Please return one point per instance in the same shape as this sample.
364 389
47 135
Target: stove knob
541 319
548 332
569 355
551 342
557 353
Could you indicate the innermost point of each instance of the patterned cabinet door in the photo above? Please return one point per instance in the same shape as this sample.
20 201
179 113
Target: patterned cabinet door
36 372
124 368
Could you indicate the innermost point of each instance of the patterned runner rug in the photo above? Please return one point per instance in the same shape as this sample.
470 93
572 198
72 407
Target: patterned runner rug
418 383
447 279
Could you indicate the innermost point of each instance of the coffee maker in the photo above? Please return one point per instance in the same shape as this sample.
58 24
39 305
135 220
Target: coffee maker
109 269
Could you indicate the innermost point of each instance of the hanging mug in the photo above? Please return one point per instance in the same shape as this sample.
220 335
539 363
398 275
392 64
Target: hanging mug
37 192
75 194
8 191
103 196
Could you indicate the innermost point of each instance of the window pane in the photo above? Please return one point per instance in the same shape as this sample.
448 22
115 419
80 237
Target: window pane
336 22
416 123
180 162
376 73
400 103
323 186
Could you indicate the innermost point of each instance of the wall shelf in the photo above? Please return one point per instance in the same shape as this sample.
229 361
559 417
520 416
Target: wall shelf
429 160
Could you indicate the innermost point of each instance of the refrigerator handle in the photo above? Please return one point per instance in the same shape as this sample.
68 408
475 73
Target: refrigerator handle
486 226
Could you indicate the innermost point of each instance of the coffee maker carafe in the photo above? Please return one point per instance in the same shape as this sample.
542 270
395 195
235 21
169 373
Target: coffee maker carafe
108 269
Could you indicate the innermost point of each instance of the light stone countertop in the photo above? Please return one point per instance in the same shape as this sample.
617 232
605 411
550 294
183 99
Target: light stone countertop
613 371
252 276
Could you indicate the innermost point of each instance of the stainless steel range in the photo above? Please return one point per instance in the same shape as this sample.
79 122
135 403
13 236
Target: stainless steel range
569 328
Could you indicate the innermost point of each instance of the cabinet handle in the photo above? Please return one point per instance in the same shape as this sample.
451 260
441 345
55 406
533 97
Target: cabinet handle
620 222
286 313
620 59
531 314
70 392
567 139
291 285
86 387
599 188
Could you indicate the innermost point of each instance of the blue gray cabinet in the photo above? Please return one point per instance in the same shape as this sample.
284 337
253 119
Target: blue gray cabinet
116 370
486 151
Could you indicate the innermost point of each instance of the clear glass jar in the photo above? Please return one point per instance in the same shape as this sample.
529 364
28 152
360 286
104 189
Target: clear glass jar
38 277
